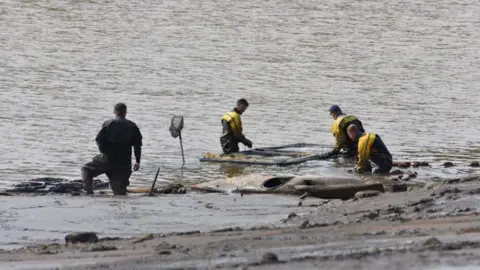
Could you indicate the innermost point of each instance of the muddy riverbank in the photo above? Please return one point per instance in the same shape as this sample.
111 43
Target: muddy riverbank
430 225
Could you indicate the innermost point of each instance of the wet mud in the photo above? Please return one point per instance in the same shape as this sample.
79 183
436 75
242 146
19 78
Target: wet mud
55 186
52 185
426 226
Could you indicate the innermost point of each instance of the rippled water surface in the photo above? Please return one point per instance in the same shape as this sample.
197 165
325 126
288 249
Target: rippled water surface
410 70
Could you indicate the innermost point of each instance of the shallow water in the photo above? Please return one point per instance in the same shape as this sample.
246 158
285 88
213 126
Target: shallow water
410 70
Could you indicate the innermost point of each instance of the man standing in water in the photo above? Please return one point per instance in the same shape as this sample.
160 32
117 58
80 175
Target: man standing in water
232 129
115 141
339 130
370 148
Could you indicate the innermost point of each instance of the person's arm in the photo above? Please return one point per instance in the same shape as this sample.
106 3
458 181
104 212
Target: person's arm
137 144
102 139
241 138
340 140
362 158
238 135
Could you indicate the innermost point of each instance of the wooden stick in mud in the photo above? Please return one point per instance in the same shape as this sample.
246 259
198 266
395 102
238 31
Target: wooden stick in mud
154 181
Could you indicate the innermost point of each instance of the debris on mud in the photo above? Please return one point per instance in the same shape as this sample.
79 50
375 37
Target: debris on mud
304 196
229 229
421 201
46 185
106 239
396 187
100 247
165 245
269 257
469 230
463 179
304 224
435 244
463 210
144 238
404 177
415 164
442 192
396 172
164 252
43 249
372 215
209 205
165 248
432 243
448 164
473 191
173 188
408 232
83 237
382 232
186 233
470 179
366 194
292 215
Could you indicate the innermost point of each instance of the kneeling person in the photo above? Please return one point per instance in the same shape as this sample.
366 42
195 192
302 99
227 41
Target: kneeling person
233 130
115 141
370 148
339 130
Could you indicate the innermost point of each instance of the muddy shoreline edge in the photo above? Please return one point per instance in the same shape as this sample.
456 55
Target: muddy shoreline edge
437 224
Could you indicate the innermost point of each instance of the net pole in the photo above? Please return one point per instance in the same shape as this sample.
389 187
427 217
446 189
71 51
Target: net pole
181 147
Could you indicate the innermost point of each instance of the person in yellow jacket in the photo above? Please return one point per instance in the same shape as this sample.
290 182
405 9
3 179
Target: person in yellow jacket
370 149
233 130
339 130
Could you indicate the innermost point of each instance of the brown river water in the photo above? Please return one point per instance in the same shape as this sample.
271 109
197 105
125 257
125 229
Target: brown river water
410 70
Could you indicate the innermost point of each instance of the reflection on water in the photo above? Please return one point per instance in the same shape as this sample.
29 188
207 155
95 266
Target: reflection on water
232 170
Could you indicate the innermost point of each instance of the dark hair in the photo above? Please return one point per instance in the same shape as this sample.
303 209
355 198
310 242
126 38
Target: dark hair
242 101
120 108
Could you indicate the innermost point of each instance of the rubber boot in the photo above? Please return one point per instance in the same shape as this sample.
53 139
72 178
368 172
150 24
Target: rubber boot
87 182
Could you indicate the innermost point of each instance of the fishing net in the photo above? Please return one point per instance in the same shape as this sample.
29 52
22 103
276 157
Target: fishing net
176 126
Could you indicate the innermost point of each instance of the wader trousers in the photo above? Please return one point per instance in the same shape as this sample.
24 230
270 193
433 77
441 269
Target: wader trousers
383 161
118 175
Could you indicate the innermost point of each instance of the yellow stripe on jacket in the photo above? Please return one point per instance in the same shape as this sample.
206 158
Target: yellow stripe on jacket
338 129
234 120
365 144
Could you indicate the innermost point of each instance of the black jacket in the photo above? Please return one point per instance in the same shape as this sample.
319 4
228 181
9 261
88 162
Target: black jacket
116 139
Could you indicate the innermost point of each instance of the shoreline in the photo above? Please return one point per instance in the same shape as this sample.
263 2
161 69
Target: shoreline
424 227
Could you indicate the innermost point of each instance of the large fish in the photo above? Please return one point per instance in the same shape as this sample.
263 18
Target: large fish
318 186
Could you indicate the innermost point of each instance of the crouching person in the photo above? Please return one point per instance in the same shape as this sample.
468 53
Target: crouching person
115 141
370 149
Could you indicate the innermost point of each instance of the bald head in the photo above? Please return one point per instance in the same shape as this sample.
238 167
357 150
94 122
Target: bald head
353 131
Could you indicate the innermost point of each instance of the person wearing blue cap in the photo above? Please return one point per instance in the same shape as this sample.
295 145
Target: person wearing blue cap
339 130
370 149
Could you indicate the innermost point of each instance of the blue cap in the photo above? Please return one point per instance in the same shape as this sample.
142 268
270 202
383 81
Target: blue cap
335 109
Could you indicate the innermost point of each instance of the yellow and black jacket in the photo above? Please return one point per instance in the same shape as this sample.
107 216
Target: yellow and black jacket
372 148
232 132
339 130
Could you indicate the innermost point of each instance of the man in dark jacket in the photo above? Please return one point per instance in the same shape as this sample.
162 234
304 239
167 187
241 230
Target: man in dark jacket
115 141
233 130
